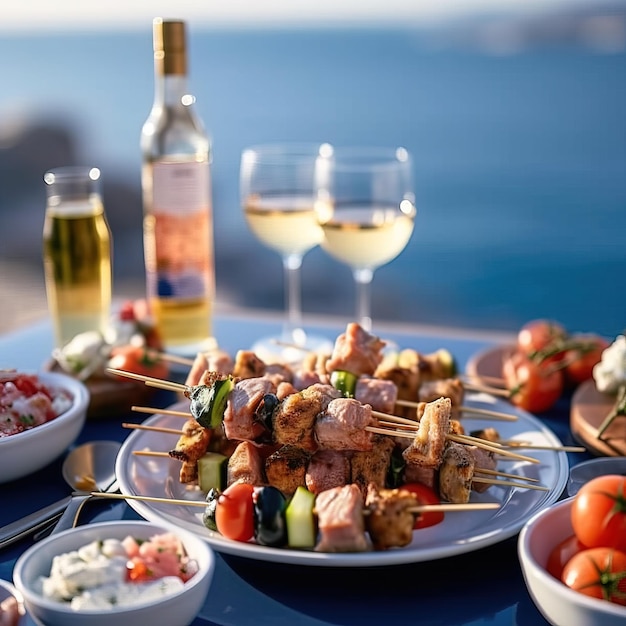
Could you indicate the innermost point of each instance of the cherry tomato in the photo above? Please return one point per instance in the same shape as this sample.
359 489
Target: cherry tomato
599 573
580 360
138 360
234 515
541 336
425 495
533 386
599 513
561 554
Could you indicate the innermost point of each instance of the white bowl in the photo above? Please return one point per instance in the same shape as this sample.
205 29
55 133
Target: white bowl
177 609
7 591
583 472
559 604
26 452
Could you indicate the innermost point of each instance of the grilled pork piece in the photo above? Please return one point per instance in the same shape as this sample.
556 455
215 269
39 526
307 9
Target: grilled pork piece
315 362
356 351
303 379
448 388
427 448
239 416
216 361
284 389
327 469
188 472
286 468
456 473
248 365
389 520
192 444
340 520
414 473
488 434
380 394
343 426
246 465
372 467
295 417
483 459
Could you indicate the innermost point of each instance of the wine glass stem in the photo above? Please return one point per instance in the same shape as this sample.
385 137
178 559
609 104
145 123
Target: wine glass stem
363 279
291 265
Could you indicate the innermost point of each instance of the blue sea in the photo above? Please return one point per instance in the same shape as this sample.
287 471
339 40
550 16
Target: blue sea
520 160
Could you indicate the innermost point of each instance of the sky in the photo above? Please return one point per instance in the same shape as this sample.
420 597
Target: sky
35 15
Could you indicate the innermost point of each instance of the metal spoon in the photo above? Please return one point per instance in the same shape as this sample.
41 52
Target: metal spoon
95 460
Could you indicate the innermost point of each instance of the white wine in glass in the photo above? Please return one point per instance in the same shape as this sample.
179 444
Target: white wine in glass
366 207
277 188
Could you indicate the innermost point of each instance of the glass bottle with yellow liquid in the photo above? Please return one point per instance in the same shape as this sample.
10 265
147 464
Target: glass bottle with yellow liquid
176 185
76 253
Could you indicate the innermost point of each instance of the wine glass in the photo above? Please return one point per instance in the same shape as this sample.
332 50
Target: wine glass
366 207
277 189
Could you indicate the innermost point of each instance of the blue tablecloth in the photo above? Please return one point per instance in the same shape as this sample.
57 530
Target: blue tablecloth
482 587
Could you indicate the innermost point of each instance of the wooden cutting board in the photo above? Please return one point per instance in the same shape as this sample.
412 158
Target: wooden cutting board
588 411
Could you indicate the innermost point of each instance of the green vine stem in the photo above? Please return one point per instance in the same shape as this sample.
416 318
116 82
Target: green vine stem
619 408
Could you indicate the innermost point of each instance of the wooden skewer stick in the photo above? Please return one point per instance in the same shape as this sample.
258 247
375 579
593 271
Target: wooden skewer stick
494 391
422 508
151 453
490 472
508 483
555 448
149 380
468 409
171 358
496 381
147 409
155 429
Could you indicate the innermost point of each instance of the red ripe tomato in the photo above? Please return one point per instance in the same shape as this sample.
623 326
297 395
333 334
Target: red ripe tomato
234 514
138 360
599 573
561 554
599 513
424 495
583 356
541 336
533 386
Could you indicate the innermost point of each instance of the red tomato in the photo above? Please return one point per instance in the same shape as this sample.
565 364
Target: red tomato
234 514
425 495
599 513
580 360
533 386
599 573
561 554
541 336
138 360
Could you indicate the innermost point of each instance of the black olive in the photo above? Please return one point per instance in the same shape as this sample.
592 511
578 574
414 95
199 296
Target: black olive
208 517
265 410
269 516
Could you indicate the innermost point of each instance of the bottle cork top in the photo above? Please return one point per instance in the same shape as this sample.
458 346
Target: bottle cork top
169 45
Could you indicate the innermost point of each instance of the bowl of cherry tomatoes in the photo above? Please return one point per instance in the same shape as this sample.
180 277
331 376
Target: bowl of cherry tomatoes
573 556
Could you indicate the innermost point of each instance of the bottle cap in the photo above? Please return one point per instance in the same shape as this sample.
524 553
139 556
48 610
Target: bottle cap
170 45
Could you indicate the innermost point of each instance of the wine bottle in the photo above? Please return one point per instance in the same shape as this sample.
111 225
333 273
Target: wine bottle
176 187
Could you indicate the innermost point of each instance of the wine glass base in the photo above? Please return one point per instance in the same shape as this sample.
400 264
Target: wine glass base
290 348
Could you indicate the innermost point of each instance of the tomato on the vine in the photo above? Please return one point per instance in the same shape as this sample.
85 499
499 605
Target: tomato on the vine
541 335
533 386
598 573
599 513
583 356
138 360
234 514
424 495
561 554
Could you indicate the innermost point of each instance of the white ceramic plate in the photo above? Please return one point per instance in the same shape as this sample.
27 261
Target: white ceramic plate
459 532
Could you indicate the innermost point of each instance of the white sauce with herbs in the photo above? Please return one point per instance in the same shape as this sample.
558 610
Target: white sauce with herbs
94 577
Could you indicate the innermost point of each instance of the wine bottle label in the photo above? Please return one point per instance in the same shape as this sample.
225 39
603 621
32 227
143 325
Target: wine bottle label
182 216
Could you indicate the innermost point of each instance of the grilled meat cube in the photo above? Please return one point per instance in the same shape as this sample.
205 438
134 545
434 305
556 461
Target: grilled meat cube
188 472
456 473
483 459
192 444
343 425
239 416
414 473
448 388
246 465
389 520
248 365
380 394
327 469
429 443
488 434
372 467
340 520
303 379
286 468
278 373
356 351
217 361
315 362
284 389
